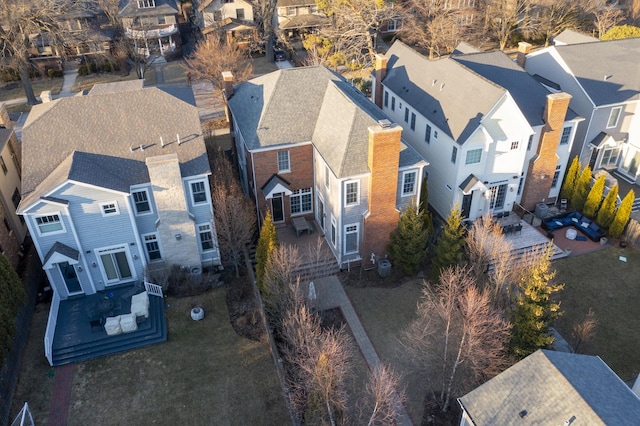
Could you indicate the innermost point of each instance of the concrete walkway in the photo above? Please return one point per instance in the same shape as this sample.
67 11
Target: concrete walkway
68 80
330 294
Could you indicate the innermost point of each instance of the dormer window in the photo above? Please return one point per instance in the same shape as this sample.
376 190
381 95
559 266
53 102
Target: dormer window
145 4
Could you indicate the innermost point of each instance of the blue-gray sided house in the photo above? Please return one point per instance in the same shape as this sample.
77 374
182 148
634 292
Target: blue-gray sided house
115 184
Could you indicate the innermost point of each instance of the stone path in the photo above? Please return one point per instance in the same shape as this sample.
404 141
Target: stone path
330 294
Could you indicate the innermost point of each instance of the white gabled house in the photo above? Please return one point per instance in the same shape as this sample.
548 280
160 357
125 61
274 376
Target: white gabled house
493 136
115 183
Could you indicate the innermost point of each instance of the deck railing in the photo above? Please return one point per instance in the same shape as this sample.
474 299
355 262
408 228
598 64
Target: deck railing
51 327
153 289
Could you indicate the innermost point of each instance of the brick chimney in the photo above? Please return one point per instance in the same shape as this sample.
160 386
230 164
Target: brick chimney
383 160
542 166
227 77
380 74
5 121
523 50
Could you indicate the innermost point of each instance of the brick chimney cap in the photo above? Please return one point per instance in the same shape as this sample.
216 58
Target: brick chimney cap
558 96
384 123
227 75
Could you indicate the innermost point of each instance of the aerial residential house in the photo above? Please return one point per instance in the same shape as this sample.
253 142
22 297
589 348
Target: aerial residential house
13 229
297 17
311 146
493 136
122 192
552 388
152 25
602 78
232 17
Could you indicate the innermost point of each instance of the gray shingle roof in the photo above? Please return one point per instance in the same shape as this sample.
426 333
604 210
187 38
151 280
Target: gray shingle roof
89 139
570 36
5 135
553 387
495 66
443 91
310 104
64 250
285 3
616 59
129 8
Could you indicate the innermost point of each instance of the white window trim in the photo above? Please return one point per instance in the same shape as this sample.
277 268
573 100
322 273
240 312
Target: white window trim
415 182
205 184
619 109
133 201
299 195
112 249
344 244
357 202
213 241
46 234
334 226
144 243
288 169
466 157
115 204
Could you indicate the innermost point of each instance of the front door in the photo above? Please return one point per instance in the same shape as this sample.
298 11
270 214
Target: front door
466 205
321 213
277 208
70 278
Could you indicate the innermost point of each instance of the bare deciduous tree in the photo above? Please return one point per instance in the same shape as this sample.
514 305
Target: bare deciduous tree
457 325
553 17
19 19
212 57
505 17
382 398
584 331
234 213
281 284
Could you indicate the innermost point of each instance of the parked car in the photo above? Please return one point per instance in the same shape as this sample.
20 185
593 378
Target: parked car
279 54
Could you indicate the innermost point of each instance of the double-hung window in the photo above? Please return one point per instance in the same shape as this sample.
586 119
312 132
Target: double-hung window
393 103
406 115
110 208
454 154
301 201
3 165
514 145
283 161
566 132
205 236
141 201
413 121
199 192
427 134
408 183
473 156
351 193
386 99
556 175
49 223
152 247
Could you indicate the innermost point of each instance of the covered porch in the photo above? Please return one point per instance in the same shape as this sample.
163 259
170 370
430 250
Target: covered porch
76 327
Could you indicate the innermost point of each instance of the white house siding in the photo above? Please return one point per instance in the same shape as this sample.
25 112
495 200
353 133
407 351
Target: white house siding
203 213
327 188
227 10
403 200
351 215
145 223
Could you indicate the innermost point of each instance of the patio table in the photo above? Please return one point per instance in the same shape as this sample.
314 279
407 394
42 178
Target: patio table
300 225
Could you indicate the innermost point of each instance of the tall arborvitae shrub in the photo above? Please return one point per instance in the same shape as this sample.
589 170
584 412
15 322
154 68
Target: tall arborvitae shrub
581 190
408 246
267 244
594 199
569 182
608 209
449 249
622 215
424 207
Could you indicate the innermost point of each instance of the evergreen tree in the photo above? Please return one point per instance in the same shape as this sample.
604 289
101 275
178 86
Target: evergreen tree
608 209
267 244
12 297
408 246
449 249
622 215
424 207
594 199
569 183
581 189
535 310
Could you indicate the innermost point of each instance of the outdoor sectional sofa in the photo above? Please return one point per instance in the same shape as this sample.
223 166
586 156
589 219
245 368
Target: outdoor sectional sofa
578 221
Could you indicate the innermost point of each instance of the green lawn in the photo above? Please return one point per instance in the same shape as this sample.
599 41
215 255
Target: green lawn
204 374
600 281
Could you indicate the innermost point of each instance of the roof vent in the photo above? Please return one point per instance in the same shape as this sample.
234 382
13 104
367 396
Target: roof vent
141 147
607 77
161 142
433 82
384 123
130 149
522 414
178 136
441 87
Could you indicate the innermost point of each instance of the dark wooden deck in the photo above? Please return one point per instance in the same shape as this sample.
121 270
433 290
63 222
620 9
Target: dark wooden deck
76 339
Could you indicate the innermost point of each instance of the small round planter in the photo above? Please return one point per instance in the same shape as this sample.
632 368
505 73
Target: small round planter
567 251
197 313
603 241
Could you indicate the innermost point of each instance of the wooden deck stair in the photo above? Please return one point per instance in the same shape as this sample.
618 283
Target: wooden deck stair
150 331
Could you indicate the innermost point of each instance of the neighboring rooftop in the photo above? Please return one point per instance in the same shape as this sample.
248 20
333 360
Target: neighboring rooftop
569 36
553 388
443 91
310 105
97 138
607 70
129 8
